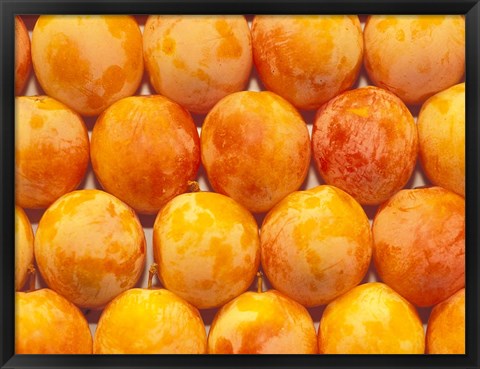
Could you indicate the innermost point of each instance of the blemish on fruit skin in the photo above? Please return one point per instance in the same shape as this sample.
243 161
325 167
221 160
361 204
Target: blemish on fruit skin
168 45
229 47
36 122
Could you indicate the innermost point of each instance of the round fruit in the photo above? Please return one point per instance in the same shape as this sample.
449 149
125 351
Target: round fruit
446 326
371 319
51 151
262 323
145 150
207 248
419 244
364 141
316 245
197 60
47 323
255 149
307 59
415 56
141 321
441 133
87 61
90 247
23 247
23 58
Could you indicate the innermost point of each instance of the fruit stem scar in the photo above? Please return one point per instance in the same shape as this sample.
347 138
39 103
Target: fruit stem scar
31 275
193 186
151 273
260 282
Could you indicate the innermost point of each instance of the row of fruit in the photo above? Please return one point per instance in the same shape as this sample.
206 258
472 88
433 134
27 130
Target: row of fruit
314 246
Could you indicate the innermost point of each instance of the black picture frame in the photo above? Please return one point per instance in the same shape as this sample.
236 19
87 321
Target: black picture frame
9 8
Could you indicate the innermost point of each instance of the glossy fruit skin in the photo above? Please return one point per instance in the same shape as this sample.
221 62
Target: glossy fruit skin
316 245
156 321
70 68
51 151
280 326
419 244
446 326
207 248
371 319
47 323
197 60
23 57
415 56
90 247
441 133
145 150
365 142
307 60
255 149
23 247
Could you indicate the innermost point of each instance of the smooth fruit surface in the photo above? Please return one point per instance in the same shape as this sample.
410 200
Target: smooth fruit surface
90 247
207 248
419 244
316 245
365 142
141 321
47 323
23 57
23 247
371 319
145 150
255 149
307 59
262 323
87 61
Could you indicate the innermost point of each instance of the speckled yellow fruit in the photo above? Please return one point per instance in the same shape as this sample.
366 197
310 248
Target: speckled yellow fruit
23 59
365 142
207 248
446 326
23 247
371 319
51 151
87 61
141 321
262 323
197 60
90 247
419 244
441 133
145 150
47 323
307 59
316 245
415 56
255 148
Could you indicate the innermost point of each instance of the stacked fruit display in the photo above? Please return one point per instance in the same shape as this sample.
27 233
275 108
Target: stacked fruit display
252 164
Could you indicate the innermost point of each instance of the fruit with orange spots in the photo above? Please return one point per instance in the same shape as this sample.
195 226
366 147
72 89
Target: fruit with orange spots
197 60
23 247
150 321
371 319
415 56
419 244
262 323
316 245
446 326
307 59
47 323
23 57
90 247
51 150
145 150
255 149
87 61
206 247
441 133
365 142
